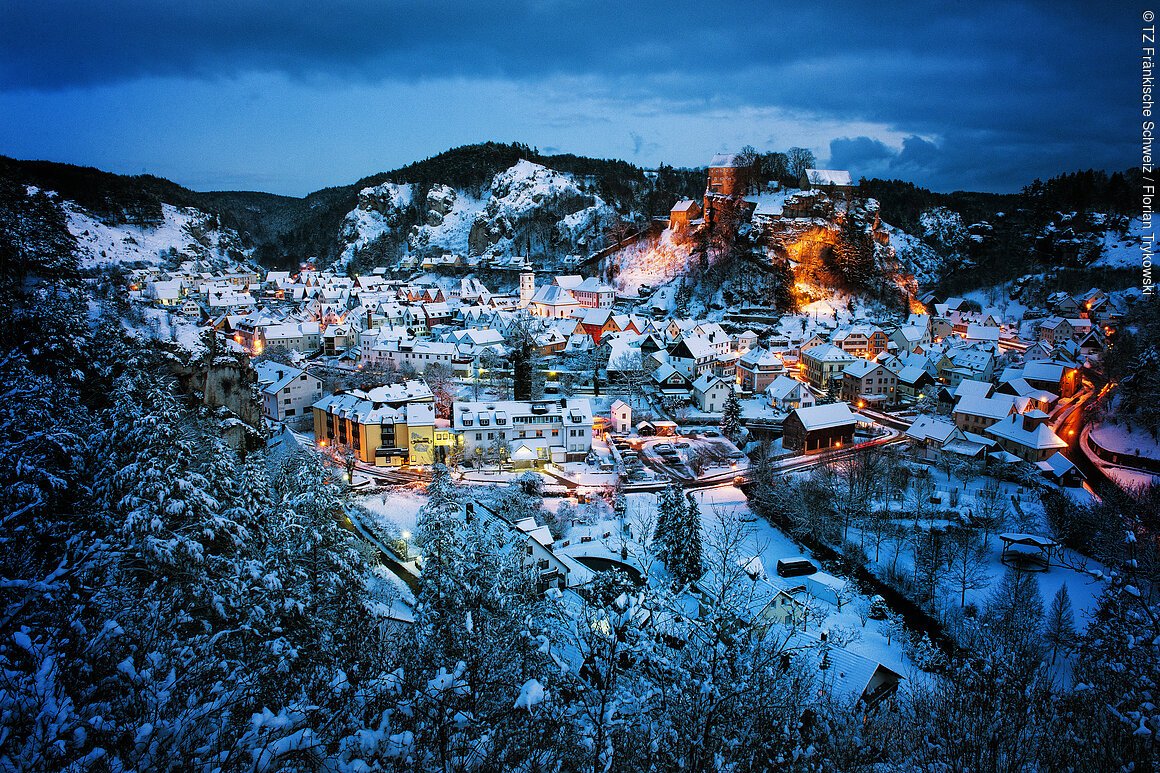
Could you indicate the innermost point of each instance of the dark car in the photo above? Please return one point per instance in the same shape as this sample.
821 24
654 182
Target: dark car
795 567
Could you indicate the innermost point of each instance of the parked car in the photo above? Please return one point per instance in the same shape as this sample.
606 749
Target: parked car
795 567
681 444
661 448
712 433
736 455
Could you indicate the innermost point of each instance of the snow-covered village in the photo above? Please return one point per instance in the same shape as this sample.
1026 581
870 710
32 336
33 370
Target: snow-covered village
523 459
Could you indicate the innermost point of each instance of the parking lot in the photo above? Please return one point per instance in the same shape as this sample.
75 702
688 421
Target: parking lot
694 456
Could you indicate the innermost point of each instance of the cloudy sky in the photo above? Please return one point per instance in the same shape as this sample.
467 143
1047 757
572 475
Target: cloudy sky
290 96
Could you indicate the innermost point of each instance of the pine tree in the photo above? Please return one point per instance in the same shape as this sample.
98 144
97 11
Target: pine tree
731 417
670 507
833 392
1060 629
686 551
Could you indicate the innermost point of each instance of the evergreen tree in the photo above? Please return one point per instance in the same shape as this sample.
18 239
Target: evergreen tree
685 553
523 353
438 525
670 511
731 417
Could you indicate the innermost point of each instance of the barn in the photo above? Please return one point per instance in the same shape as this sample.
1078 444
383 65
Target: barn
820 427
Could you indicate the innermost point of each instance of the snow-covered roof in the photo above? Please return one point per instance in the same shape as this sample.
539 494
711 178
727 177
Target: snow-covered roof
847 673
1024 389
759 357
828 353
1044 370
825 416
973 388
1058 465
727 161
839 177
554 295
931 428
273 377
784 386
707 381
685 205
412 389
977 332
568 281
995 407
910 374
1014 428
692 346
861 368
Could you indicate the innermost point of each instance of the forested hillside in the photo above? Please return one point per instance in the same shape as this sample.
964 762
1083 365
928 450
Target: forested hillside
1061 226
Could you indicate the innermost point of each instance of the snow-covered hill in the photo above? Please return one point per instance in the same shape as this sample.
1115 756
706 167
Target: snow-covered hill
183 234
527 209
1121 248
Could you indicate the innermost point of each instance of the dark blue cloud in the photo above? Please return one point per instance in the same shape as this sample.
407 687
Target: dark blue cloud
1050 84
861 153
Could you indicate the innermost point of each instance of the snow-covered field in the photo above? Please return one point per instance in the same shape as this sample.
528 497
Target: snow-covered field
396 508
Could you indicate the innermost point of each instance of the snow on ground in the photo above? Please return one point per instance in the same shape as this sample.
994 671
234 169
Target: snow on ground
165 325
379 210
527 187
1067 567
1120 250
915 254
758 408
1119 438
452 231
998 299
769 544
1130 479
188 231
390 596
398 508
651 262
770 203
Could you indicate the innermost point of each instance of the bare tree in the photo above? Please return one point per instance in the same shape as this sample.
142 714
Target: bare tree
800 159
966 565
919 495
439 379
631 376
992 508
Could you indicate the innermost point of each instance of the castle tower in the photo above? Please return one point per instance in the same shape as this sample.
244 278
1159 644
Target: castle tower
527 288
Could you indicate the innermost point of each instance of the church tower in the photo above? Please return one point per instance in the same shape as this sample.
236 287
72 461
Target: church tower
527 288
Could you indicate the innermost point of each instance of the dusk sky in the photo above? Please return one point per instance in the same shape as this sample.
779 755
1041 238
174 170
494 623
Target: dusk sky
295 95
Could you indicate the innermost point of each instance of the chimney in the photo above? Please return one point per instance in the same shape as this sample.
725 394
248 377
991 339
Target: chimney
469 511
1033 419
